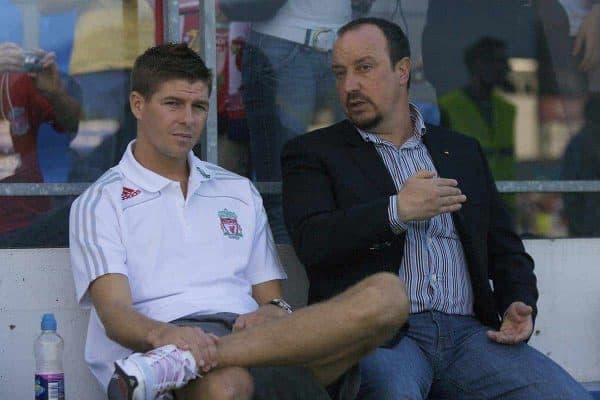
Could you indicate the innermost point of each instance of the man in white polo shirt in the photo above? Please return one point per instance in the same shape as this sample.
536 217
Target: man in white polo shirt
176 258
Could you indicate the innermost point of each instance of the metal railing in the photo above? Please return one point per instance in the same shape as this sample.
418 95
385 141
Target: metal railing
74 189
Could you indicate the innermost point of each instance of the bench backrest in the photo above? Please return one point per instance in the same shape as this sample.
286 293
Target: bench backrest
36 281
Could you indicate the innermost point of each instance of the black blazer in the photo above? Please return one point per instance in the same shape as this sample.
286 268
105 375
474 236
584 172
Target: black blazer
336 192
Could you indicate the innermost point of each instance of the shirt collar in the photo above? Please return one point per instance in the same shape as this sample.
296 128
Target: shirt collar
418 129
153 182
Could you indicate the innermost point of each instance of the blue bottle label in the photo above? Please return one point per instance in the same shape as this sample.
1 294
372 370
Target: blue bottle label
49 387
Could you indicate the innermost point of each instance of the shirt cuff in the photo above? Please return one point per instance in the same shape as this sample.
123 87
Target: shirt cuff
396 224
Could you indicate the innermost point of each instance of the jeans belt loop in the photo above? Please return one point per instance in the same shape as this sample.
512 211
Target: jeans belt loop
320 39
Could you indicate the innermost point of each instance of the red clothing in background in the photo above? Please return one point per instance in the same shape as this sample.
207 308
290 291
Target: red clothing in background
26 109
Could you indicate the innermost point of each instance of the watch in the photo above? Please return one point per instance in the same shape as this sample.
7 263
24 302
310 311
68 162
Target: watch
282 304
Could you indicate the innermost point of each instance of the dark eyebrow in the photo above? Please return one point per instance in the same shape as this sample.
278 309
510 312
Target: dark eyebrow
201 103
171 98
364 59
175 98
360 60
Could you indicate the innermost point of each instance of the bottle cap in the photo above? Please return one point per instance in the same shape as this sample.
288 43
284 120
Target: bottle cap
48 322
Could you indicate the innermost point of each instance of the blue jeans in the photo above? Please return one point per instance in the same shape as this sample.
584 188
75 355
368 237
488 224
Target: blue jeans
105 93
283 84
450 357
105 96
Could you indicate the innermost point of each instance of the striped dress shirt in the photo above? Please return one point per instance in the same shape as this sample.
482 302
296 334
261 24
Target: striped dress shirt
434 267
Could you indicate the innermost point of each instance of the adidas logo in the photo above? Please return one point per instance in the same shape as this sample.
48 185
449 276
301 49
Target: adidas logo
128 193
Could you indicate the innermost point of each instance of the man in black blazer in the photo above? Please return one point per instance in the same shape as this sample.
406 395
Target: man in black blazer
382 191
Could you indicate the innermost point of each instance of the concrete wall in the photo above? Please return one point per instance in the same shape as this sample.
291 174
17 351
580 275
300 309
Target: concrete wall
568 327
33 282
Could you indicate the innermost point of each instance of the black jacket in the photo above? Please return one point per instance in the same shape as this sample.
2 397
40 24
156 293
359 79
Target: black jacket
336 192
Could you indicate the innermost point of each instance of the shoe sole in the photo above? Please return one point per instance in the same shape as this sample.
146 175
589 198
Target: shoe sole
121 385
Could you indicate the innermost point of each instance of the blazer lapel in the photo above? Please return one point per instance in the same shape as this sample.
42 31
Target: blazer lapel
444 159
368 160
441 154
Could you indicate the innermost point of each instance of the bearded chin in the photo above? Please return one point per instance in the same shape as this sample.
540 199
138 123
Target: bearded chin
367 124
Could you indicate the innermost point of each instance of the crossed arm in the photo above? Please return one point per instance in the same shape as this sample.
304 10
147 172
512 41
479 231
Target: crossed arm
111 295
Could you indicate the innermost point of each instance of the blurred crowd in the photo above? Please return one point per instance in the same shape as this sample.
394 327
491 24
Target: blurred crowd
521 76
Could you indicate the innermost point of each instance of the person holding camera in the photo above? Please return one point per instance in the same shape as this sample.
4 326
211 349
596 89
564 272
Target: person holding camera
32 93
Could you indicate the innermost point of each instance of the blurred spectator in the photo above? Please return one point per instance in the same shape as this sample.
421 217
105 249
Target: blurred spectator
53 150
56 35
109 34
587 40
233 126
581 161
572 34
452 25
360 8
478 109
286 78
32 92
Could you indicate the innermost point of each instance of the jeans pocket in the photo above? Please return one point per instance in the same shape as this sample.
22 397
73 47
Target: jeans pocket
278 53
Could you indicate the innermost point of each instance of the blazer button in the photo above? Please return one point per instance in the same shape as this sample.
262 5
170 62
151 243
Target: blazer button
375 247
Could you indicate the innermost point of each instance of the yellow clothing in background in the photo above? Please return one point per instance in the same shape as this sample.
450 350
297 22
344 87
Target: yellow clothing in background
496 138
109 36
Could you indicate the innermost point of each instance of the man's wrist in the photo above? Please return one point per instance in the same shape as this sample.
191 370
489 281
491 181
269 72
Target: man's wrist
155 335
397 225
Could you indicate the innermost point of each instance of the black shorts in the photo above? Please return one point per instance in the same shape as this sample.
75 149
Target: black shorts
282 382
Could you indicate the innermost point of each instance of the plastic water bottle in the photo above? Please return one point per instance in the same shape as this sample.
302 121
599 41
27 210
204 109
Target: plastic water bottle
48 350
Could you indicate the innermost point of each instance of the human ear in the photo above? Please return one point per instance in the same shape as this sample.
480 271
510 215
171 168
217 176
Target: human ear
136 103
402 67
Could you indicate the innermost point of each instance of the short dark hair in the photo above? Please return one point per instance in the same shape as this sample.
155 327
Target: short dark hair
482 49
166 62
397 42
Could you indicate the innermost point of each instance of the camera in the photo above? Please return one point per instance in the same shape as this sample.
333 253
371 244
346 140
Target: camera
32 62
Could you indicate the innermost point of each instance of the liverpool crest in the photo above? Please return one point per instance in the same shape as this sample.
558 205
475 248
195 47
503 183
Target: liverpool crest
229 224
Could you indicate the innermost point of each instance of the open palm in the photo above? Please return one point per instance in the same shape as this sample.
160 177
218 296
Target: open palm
517 324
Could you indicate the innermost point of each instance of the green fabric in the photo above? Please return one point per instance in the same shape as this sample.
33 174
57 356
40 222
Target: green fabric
497 138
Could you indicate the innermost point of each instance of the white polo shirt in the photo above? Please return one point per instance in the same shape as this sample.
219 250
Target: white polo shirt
182 256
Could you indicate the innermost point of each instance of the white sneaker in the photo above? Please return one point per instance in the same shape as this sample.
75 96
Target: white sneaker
146 376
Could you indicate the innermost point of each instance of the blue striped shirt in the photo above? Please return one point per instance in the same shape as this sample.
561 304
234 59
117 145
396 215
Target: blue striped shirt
434 267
